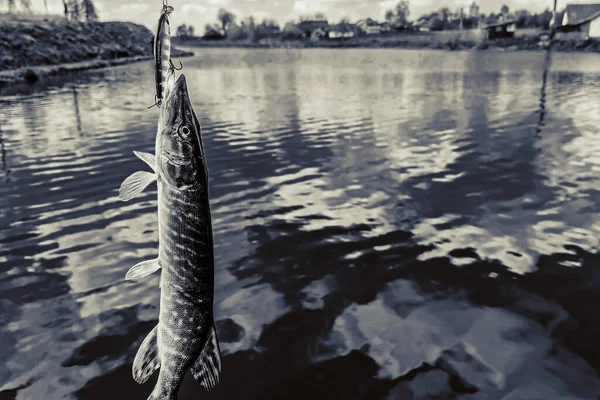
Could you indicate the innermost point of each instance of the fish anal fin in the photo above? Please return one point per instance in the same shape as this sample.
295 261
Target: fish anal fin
146 360
134 184
148 158
143 269
207 368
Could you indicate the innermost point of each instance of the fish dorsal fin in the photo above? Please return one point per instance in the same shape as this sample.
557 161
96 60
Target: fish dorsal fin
147 158
146 360
143 269
207 367
135 184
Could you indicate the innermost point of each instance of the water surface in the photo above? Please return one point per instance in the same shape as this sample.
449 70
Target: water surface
389 224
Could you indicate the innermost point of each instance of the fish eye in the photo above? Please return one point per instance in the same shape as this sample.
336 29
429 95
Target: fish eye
185 132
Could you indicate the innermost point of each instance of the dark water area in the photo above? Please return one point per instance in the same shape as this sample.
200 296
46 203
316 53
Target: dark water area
389 224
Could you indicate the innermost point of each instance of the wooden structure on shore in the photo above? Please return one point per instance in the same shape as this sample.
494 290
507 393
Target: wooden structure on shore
580 22
501 30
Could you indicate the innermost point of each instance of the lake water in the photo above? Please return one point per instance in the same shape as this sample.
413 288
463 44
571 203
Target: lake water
389 224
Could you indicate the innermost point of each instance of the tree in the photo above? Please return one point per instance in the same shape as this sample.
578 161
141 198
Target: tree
402 11
182 31
226 18
66 6
26 5
445 13
320 16
437 24
75 10
89 10
523 18
389 16
474 10
504 10
190 31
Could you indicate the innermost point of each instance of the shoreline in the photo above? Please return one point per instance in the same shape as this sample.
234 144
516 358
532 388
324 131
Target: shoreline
403 42
35 48
33 74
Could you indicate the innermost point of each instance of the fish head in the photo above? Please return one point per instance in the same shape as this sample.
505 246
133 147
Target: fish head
180 155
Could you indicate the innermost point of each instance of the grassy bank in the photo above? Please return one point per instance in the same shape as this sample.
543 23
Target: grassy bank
33 47
449 40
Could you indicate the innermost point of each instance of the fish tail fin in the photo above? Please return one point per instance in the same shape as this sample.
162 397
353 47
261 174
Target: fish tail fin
146 360
207 368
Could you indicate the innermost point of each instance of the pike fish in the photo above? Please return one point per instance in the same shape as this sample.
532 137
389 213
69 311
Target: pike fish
185 337
163 65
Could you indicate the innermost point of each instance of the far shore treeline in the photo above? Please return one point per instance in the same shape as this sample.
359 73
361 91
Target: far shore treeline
397 19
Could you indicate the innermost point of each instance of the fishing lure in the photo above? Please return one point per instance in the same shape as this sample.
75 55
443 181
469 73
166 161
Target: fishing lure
163 65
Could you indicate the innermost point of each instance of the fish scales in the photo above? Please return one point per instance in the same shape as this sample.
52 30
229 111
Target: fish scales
185 337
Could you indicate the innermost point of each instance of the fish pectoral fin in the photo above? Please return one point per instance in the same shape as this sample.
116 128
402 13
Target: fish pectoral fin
134 184
146 360
207 367
143 269
147 158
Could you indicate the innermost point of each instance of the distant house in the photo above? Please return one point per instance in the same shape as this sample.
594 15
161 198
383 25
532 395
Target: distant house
401 26
212 34
369 26
501 30
581 18
425 24
343 30
385 27
308 27
318 34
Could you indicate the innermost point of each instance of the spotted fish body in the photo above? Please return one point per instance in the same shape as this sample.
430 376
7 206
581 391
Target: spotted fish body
185 337
162 55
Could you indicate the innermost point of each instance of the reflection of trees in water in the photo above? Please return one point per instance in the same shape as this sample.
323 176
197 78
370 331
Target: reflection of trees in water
3 154
540 124
77 112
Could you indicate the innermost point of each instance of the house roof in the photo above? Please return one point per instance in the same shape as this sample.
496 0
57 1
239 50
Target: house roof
368 22
343 27
581 13
500 24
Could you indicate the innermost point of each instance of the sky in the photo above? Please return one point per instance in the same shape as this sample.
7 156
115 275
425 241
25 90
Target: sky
200 12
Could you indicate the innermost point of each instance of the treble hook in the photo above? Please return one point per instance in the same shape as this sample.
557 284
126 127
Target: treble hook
157 104
172 66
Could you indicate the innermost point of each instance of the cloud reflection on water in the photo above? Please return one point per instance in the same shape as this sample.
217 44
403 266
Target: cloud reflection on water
368 209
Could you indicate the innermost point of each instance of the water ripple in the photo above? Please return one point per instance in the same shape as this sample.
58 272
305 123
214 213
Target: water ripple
381 226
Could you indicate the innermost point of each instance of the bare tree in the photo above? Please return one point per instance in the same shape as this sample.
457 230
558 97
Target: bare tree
182 31
75 11
89 10
474 10
226 18
402 11
26 5
389 16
